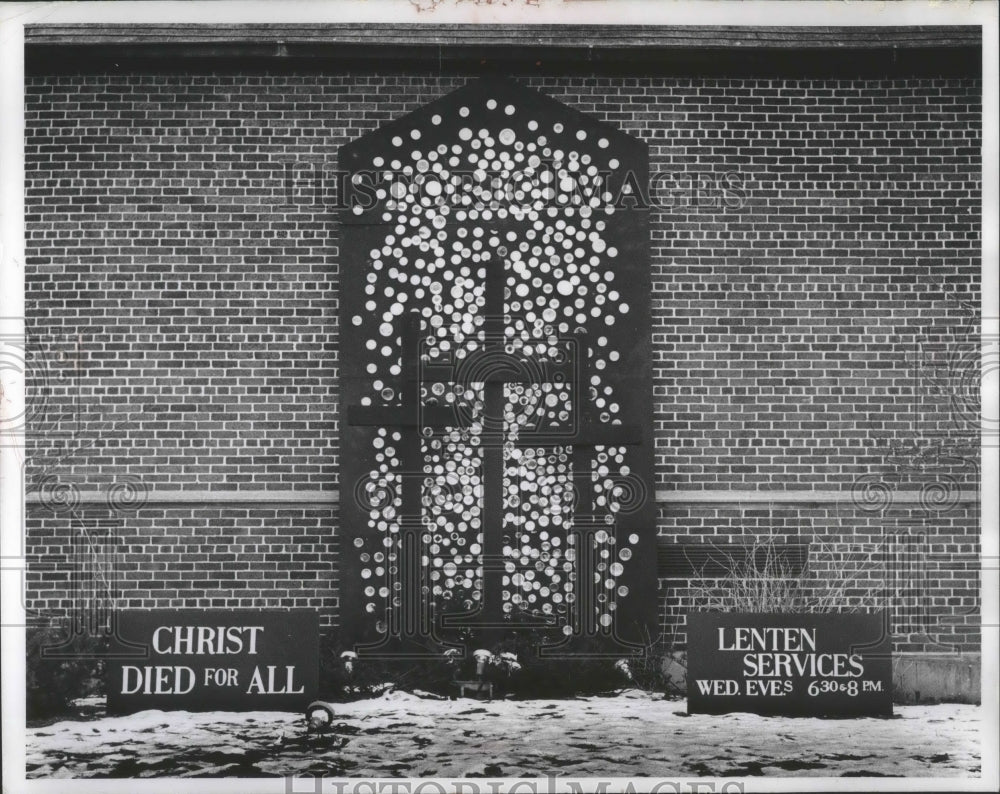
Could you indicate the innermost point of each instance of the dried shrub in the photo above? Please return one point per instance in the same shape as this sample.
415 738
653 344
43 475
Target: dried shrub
836 578
57 672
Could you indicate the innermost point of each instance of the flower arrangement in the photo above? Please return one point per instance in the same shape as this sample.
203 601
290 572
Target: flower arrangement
622 667
489 665
512 667
506 662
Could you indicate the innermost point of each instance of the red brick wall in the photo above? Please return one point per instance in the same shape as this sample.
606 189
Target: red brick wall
812 240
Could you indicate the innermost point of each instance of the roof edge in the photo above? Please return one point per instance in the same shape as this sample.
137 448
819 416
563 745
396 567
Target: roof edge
509 49
383 36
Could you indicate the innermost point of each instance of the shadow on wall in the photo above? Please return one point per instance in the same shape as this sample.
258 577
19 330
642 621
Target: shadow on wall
929 678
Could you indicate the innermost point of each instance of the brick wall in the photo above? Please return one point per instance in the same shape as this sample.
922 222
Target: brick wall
921 565
232 557
815 249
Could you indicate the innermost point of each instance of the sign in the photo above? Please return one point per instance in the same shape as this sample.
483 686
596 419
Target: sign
797 664
199 660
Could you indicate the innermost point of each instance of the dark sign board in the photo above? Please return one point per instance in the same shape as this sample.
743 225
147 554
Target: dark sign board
201 659
801 664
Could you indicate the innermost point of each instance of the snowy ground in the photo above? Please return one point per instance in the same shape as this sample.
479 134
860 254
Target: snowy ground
402 735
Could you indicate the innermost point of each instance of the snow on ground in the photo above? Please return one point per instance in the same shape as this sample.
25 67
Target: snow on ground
402 735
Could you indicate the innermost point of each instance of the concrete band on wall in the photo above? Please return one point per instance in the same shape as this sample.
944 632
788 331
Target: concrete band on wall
162 497
816 259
